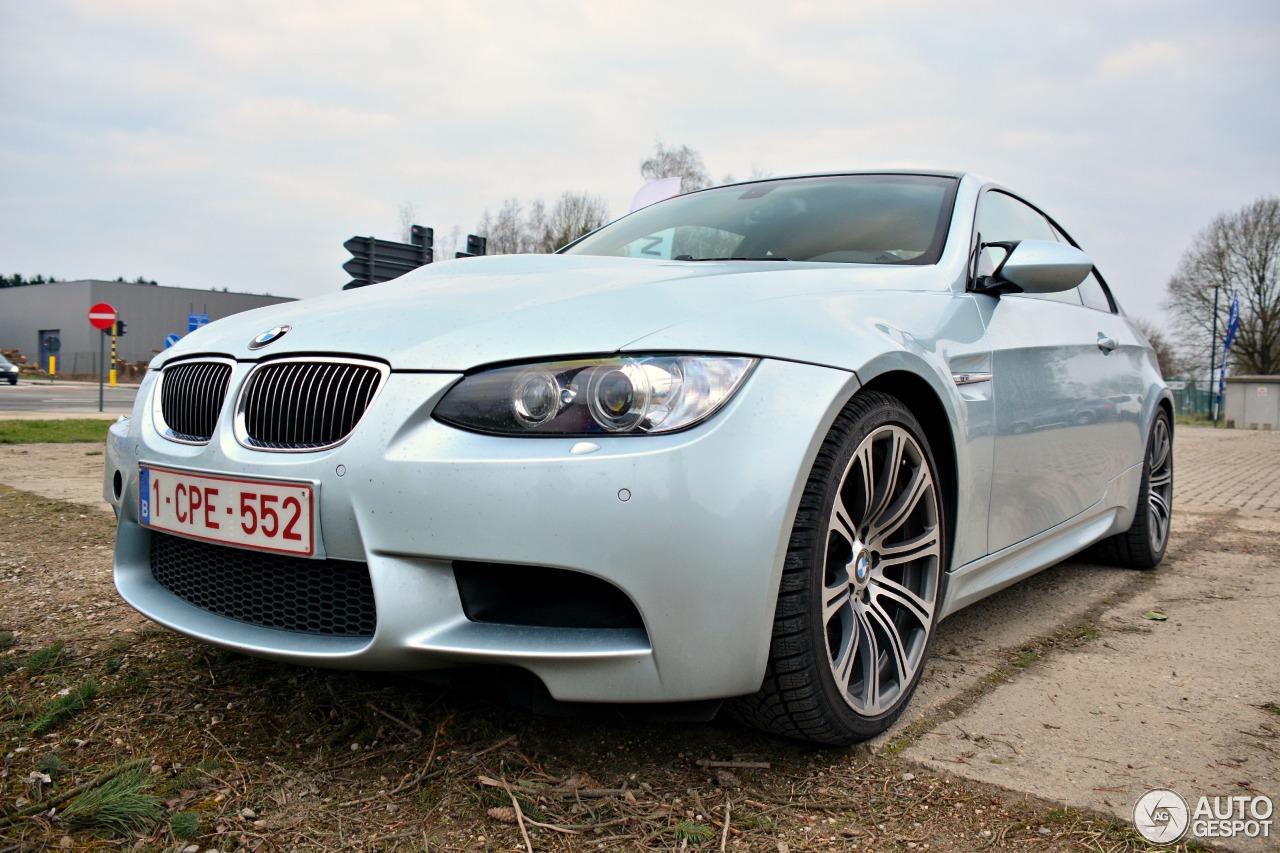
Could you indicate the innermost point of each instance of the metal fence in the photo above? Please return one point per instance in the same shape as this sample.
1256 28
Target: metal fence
1192 396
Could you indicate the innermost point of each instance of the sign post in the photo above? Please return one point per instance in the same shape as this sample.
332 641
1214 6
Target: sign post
113 352
102 316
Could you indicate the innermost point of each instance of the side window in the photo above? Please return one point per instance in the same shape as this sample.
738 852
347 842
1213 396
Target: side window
1004 218
1094 294
1092 290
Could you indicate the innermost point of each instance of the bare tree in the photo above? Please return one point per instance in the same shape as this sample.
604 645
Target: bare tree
757 174
408 213
542 230
483 229
447 245
1237 252
574 215
507 234
672 162
537 229
1166 356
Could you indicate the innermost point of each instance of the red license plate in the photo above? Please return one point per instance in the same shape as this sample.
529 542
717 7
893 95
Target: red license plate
266 515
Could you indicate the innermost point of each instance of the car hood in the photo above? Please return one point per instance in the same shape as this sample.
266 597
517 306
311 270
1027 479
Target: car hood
457 315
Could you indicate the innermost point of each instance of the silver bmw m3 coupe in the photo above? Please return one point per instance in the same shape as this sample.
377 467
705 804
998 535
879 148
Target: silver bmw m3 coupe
747 444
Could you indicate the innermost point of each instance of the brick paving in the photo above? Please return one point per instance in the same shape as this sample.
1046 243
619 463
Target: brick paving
1227 468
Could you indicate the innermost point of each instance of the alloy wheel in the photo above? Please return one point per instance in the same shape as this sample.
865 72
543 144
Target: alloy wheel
882 571
1160 488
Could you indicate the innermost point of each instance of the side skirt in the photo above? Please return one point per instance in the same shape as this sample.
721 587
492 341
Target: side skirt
988 575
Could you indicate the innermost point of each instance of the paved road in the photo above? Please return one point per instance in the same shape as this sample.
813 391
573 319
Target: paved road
43 399
1183 703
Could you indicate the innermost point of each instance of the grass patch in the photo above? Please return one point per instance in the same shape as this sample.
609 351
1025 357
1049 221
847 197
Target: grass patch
1194 420
119 806
1083 633
59 432
185 825
1025 656
62 708
51 764
909 735
42 660
192 779
698 833
1270 708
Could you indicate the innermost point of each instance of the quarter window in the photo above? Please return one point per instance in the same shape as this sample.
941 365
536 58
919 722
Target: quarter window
1094 293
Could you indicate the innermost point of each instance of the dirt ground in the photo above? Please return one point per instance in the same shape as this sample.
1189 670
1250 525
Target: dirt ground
1046 712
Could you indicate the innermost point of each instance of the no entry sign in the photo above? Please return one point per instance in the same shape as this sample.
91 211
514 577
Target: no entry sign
101 316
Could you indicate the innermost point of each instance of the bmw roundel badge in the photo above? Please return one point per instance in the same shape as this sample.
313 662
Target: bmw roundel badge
269 337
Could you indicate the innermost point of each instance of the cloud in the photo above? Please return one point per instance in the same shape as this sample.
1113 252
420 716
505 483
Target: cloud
239 143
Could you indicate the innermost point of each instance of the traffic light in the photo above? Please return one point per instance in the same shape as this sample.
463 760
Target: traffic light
476 245
119 328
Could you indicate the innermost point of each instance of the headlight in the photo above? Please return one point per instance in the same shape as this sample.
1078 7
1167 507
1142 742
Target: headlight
620 396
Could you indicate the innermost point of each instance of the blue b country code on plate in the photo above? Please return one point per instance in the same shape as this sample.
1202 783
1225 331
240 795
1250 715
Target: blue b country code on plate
144 487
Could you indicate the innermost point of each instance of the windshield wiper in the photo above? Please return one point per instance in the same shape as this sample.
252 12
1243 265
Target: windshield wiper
765 258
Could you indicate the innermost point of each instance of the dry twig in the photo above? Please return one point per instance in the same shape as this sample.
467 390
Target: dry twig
375 709
750 765
515 804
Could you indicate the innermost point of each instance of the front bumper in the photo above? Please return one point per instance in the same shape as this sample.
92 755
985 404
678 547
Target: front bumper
692 527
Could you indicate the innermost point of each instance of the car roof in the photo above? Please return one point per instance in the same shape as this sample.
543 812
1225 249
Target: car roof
924 173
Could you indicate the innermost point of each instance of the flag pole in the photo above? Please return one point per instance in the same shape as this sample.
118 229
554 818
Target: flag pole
1213 359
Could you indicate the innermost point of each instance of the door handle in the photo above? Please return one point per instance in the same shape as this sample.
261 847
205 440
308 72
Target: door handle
1106 344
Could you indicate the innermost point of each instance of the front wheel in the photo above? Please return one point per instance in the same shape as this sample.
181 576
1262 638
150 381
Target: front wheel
861 585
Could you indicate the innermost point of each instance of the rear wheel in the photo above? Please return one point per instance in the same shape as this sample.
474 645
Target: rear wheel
861 583
1143 545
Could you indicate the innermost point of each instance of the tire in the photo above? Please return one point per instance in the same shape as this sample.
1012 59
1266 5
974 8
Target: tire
861 585
1143 545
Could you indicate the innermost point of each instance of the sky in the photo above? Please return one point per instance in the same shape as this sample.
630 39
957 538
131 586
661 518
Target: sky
238 144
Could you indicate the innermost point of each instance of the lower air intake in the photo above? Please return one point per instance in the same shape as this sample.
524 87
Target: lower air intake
328 597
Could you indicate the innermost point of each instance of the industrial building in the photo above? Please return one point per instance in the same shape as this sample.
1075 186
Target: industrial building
52 319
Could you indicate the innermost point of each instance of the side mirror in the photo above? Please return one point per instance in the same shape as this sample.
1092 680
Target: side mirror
1038 266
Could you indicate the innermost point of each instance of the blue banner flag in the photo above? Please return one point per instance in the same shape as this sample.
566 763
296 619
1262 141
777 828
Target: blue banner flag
1233 326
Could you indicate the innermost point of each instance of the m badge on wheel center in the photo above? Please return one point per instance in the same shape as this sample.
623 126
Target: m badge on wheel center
861 567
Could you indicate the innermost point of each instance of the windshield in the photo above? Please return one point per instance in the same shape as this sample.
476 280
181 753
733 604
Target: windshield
849 219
